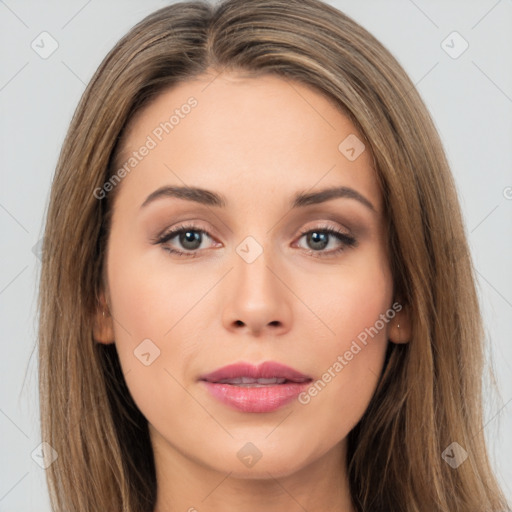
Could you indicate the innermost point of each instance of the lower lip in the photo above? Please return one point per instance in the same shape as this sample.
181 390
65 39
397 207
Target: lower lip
256 399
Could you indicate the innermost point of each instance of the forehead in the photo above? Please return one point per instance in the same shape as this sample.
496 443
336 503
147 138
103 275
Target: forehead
251 135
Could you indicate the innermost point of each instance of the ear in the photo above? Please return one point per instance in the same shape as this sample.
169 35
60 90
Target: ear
400 330
103 325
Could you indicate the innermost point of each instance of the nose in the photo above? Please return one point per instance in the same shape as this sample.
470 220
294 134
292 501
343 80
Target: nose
258 301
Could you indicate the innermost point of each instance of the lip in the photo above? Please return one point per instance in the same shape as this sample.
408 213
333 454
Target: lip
263 398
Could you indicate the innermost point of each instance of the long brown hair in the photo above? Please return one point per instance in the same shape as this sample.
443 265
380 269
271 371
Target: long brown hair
429 394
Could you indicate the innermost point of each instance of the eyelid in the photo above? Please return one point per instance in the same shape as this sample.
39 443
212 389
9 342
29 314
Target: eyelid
183 225
192 225
322 224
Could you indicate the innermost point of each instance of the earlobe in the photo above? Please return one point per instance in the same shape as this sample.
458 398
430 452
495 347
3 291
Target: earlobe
103 326
400 327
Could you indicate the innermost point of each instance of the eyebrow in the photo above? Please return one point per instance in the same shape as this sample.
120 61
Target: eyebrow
210 198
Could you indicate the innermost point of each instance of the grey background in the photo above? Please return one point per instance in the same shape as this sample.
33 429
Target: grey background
470 98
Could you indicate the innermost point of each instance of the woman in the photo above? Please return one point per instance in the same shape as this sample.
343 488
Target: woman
321 347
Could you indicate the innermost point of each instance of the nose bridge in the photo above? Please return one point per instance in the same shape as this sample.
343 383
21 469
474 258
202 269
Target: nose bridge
255 296
252 272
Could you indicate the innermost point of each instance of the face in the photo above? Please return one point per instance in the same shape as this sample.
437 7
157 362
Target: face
251 277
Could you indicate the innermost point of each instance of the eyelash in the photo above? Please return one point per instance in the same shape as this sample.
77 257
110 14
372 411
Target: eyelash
347 241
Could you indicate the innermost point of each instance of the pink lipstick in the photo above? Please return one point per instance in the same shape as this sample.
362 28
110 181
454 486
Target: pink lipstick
249 388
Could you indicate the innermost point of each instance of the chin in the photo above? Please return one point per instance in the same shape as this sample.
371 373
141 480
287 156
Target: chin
263 460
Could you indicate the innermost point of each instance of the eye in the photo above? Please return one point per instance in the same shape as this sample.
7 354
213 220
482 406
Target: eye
320 237
190 238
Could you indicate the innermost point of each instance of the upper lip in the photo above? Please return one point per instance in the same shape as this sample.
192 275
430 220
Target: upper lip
266 370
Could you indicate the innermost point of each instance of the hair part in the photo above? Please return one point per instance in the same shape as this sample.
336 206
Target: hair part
429 393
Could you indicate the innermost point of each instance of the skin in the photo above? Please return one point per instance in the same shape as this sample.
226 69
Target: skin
257 141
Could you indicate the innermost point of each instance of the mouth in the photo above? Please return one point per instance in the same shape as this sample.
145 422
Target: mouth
249 382
249 388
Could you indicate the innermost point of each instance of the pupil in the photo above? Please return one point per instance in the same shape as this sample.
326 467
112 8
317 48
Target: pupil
314 236
190 237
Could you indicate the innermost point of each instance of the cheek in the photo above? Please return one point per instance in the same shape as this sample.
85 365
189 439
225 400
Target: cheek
148 299
351 355
348 300
147 308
